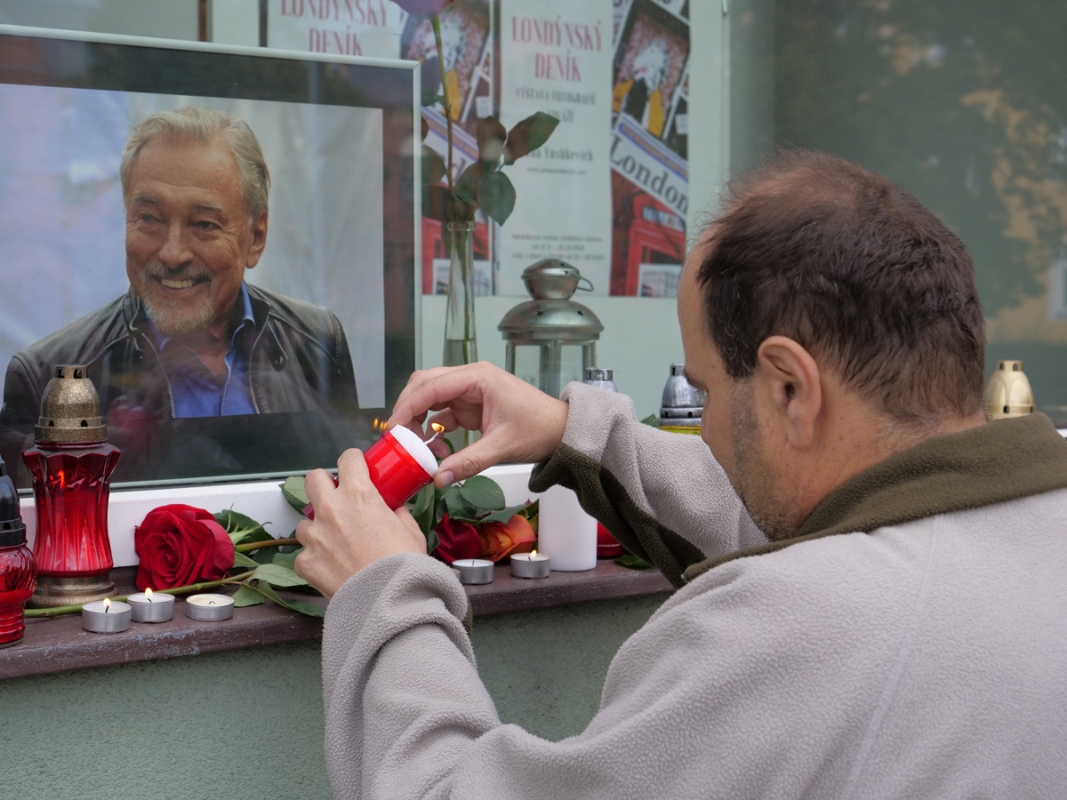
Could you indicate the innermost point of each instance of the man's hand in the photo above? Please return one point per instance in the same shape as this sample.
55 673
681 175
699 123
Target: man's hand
517 421
353 527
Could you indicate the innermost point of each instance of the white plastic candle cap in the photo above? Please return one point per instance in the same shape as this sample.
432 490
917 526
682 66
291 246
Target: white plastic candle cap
416 448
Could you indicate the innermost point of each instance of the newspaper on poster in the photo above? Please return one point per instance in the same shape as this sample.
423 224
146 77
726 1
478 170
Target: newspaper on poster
343 27
555 57
380 29
649 147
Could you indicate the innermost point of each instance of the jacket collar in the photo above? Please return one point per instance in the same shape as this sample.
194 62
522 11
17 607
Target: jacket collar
993 463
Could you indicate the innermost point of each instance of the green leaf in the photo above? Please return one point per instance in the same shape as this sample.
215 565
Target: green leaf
286 560
491 137
430 98
277 575
425 126
425 506
528 135
530 510
293 491
436 204
504 514
498 196
483 493
309 609
241 529
469 185
247 596
651 419
630 561
433 167
457 507
431 542
241 560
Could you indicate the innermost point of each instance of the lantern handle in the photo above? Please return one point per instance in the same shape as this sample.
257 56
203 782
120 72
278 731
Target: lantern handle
588 288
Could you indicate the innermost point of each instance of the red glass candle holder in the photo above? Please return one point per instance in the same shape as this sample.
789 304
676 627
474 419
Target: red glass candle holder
71 465
400 463
607 546
18 573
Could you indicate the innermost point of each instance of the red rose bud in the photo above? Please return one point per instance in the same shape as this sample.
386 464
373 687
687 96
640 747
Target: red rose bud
179 545
456 540
501 539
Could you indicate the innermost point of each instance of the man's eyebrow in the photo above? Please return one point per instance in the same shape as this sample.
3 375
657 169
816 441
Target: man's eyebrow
209 207
145 200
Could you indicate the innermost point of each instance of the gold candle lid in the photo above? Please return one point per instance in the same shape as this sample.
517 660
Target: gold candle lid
70 408
1008 393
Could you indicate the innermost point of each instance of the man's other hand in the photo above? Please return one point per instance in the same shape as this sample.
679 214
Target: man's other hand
353 527
518 422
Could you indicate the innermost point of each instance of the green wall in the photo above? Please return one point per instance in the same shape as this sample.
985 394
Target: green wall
248 723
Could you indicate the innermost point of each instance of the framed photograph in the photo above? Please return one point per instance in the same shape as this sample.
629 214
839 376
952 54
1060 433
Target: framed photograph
227 341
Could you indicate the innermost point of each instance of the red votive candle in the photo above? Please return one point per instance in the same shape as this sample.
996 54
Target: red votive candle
400 463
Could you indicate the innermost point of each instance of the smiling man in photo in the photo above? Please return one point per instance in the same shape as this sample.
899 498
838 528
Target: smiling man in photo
191 338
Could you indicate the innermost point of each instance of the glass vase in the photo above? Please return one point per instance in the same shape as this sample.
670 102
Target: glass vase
461 343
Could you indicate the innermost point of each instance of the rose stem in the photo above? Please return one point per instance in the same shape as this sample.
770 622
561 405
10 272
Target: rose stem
195 587
435 23
245 548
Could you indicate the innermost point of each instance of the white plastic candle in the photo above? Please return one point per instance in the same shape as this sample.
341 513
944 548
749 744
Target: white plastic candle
565 532
148 606
209 607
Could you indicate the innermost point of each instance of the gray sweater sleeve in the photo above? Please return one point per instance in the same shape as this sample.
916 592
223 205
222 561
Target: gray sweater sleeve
663 495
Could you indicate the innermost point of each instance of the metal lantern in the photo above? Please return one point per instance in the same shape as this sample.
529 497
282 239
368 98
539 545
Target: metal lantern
1008 392
682 405
551 340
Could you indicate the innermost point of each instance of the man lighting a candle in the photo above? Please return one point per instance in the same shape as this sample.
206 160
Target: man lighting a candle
872 586
191 338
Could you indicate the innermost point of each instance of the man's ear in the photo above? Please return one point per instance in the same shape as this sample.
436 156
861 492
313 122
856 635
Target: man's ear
790 378
259 240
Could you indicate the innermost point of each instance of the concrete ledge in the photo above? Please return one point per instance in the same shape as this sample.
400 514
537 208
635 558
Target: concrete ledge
60 644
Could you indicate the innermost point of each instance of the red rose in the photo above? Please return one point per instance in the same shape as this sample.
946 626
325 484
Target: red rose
456 540
179 545
500 539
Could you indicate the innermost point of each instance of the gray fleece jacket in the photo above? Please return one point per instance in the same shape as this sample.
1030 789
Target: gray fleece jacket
912 644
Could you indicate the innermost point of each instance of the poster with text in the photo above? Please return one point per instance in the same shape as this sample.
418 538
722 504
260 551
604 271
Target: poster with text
343 27
556 57
648 149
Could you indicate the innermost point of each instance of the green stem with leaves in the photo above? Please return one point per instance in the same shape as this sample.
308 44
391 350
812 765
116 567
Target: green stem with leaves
59 611
436 23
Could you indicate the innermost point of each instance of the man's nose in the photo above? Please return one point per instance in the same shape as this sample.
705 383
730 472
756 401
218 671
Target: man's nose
175 250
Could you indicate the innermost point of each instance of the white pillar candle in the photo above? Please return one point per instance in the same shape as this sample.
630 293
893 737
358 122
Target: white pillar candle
106 616
530 565
151 606
474 571
209 607
565 532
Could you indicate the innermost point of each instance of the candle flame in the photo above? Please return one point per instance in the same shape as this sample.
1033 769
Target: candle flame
380 425
533 553
438 429
107 604
148 594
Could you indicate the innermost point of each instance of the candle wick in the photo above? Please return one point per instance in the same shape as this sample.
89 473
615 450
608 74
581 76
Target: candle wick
107 608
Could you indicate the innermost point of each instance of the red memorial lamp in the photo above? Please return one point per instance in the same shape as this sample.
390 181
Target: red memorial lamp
71 464
18 573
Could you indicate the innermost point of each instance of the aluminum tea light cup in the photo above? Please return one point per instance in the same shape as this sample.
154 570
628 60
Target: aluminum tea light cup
530 565
474 571
151 607
209 607
106 616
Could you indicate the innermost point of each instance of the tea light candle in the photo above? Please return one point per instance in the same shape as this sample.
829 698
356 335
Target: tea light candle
474 571
530 565
149 607
400 463
209 607
105 616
